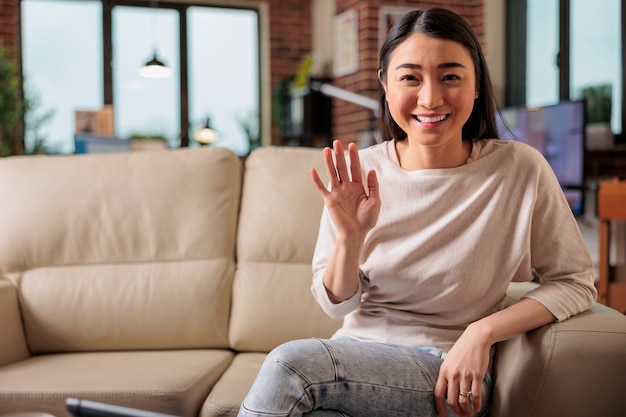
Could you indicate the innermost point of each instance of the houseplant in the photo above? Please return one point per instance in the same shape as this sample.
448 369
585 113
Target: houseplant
598 100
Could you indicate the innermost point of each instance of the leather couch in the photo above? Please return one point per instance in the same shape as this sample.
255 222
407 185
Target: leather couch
159 280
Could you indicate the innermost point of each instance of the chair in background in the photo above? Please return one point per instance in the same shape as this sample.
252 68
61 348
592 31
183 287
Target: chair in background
612 278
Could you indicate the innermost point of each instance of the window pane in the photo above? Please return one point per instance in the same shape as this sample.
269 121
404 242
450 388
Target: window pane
145 106
596 50
62 65
542 45
224 76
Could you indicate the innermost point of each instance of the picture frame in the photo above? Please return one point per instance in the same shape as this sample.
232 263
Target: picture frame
346 43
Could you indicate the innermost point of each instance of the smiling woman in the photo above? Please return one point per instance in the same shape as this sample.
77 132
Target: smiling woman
202 45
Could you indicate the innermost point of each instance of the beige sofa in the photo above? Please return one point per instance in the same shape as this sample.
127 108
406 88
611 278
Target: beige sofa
160 280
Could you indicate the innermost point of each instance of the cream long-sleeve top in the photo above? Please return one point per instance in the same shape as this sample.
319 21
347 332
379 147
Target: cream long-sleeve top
448 242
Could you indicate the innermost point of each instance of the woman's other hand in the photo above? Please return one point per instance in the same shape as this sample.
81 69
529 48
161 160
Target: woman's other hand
461 375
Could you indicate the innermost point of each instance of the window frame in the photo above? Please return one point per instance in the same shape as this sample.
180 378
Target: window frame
515 72
181 8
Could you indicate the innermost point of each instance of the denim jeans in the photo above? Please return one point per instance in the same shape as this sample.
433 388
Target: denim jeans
331 378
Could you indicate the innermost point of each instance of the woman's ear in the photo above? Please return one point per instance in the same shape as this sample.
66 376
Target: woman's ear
382 81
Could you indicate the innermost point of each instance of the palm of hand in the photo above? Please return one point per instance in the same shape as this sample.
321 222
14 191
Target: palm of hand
353 210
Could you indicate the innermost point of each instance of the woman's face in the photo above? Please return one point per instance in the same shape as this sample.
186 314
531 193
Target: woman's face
430 88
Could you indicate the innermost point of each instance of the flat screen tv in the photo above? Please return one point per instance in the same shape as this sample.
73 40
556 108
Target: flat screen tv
558 132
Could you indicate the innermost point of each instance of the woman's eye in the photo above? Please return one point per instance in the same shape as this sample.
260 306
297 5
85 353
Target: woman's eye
451 77
408 78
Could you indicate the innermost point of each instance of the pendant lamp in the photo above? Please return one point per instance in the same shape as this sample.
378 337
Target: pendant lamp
155 68
206 135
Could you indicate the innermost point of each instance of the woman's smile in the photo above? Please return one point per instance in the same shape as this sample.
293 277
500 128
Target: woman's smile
431 120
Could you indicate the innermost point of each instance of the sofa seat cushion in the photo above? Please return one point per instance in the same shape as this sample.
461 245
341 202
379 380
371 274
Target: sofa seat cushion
231 389
171 382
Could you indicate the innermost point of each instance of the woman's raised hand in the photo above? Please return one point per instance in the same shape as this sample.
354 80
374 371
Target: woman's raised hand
353 210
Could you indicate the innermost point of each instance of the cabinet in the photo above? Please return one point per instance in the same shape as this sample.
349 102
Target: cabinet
606 163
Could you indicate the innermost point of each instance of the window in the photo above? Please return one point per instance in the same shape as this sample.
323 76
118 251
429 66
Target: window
542 40
595 51
62 68
146 106
221 85
83 55
559 47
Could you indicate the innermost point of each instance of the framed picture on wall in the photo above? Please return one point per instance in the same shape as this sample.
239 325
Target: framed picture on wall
388 17
345 43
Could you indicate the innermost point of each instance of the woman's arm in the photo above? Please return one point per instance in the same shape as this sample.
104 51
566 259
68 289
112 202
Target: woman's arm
353 212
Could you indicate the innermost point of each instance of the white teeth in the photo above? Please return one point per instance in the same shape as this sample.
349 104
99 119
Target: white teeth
434 119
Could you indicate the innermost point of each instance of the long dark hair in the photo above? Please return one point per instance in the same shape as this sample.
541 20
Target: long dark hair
444 24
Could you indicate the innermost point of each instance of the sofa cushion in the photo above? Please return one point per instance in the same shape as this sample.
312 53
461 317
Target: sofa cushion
279 221
121 251
170 382
229 392
165 305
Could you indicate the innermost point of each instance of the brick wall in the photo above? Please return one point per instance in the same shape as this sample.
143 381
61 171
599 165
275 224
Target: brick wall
9 13
291 39
350 120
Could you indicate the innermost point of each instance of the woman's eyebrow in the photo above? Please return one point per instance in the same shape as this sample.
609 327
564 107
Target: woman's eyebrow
442 65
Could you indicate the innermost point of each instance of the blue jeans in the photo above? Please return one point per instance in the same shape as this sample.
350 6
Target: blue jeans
324 378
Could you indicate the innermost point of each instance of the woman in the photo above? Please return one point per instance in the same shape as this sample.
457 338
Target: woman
420 237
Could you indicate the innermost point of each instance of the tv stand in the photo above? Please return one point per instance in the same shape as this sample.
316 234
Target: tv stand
606 163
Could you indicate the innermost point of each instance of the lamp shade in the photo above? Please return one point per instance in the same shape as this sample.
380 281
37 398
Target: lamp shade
206 135
155 68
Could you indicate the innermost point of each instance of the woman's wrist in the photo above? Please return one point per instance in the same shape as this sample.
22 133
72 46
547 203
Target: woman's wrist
482 332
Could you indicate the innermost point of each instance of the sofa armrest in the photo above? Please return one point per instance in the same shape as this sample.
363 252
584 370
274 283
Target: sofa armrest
13 341
573 368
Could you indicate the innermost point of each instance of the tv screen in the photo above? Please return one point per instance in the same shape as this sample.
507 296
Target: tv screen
558 132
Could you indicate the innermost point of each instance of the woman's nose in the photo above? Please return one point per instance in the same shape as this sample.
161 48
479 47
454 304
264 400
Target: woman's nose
430 95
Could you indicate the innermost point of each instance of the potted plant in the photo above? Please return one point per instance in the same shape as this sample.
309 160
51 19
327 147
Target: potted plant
599 103
145 142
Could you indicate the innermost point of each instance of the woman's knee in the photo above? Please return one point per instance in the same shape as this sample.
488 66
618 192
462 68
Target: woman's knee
309 358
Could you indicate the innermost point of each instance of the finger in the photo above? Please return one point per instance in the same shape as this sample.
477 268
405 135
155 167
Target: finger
340 161
465 401
355 163
477 391
331 172
318 182
440 397
372 185
453 398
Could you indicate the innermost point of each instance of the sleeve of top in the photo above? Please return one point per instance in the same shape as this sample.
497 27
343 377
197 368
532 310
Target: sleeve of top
323 249
559 255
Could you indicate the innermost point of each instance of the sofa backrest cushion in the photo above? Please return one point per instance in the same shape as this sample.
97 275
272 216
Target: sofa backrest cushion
121 251
278 225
